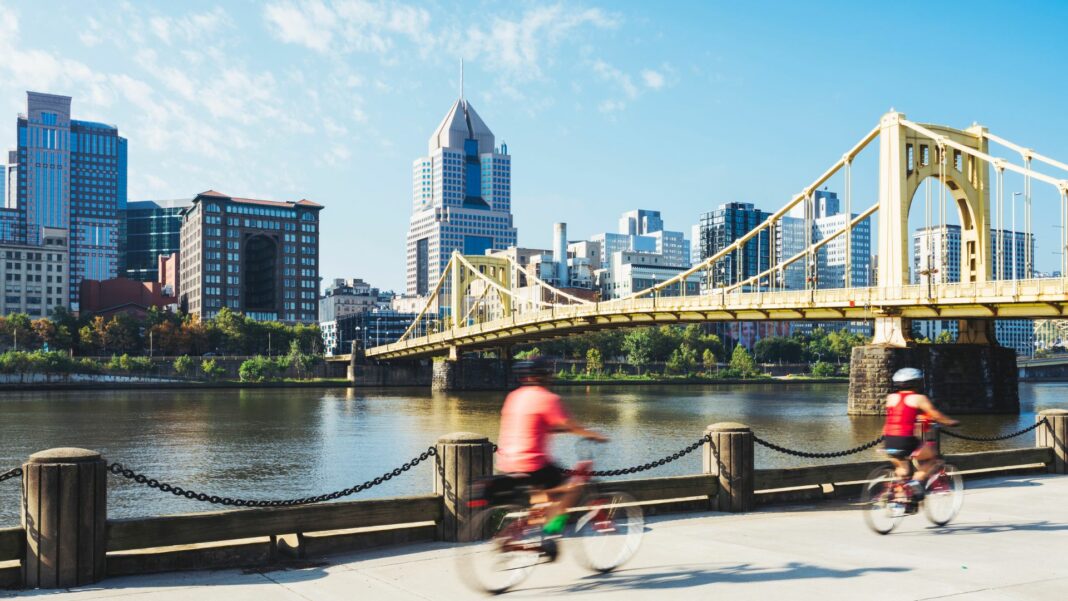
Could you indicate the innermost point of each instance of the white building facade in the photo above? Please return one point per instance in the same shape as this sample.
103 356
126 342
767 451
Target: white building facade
461 201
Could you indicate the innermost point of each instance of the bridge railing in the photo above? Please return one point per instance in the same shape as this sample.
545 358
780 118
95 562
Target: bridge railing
66 538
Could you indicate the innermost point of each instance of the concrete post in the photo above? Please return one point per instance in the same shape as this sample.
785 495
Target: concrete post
729 456
64 512
462 459
1054 435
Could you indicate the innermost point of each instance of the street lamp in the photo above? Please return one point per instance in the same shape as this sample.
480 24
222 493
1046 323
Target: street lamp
378 332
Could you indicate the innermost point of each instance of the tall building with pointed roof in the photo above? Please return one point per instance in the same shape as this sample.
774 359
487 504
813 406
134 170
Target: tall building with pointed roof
462 197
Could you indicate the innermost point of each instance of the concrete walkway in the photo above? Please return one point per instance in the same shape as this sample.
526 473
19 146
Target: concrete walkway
1009 542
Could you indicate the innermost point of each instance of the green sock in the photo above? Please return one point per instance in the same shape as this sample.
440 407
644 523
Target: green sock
555 525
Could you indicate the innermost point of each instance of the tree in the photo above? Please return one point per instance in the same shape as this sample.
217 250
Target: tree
123 334
94 336
17 331
944 337
682 361
708 360
45 331
594 363
823 369
183 365
527 354
211 370
301 362
776 349
742 363
639 346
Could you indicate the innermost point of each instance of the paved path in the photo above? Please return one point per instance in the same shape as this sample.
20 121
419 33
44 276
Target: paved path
1009 542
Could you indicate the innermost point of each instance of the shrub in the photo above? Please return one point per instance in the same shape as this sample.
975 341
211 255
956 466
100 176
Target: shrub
823 369
261 369
211 370
183 365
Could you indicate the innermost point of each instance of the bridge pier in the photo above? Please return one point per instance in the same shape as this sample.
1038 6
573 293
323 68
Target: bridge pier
471 373
961 378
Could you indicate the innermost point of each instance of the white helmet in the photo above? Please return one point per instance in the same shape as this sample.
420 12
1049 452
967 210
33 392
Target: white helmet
907 375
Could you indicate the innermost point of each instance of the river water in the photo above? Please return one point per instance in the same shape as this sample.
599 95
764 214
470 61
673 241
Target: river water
295 442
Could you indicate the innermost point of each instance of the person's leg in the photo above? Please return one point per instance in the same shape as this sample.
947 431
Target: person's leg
902 467
925 460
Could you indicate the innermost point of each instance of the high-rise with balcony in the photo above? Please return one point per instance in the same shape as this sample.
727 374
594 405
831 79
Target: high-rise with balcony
71 175
462 197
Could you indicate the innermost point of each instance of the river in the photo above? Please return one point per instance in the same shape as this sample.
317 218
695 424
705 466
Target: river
294 442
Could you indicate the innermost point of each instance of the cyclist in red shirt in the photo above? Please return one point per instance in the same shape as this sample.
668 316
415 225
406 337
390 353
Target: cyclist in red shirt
904 409
530 414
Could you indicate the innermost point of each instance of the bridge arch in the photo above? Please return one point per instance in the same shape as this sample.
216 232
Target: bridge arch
907 159
494 270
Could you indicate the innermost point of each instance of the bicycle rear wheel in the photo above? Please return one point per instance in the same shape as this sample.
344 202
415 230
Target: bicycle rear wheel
883 508
609 528
944 496
504 552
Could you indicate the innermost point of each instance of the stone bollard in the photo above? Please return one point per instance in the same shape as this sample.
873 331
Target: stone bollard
730 456
462 458
1054 435
64 512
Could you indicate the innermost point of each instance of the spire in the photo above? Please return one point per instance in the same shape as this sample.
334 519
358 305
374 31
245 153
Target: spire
461 78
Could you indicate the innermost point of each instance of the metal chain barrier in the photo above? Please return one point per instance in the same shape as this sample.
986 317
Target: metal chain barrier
829 455
12 473
1044 421
648 466
178 491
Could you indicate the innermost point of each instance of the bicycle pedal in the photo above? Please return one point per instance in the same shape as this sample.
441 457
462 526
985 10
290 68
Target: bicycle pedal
549 550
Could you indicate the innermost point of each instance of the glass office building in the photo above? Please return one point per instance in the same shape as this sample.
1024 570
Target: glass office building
153 228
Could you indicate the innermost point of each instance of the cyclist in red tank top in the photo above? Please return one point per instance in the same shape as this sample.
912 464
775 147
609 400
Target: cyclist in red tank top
904 409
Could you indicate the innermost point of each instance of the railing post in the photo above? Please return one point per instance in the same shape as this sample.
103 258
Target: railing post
729 455
64 512
1054 435
462 458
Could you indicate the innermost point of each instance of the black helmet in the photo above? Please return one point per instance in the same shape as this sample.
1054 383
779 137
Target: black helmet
532 368
908 378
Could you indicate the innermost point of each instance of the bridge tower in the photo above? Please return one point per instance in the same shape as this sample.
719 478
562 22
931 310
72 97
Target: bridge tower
975 375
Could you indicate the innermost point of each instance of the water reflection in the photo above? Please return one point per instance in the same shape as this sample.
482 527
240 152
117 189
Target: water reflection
295 442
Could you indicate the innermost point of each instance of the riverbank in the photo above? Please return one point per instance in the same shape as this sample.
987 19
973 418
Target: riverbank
691 380
172 385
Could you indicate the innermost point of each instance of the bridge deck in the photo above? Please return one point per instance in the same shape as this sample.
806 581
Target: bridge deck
1008 543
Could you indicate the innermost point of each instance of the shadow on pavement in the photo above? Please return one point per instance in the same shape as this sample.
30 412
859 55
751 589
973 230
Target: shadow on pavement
677 577
1043 526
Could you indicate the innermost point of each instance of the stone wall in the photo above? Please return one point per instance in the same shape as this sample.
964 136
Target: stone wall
471 374
961 378
396 373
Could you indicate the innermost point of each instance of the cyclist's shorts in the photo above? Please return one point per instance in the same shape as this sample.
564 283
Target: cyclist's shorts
549 476
900 447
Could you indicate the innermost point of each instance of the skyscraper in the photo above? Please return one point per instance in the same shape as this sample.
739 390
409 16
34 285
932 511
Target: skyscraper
462 197
153 228
71 175
723 226
827 219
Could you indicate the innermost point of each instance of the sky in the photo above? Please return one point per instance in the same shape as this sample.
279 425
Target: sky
605 107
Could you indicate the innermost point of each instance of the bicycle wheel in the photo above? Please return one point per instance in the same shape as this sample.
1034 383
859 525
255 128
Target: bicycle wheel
883 507
505 550
609 528
944 496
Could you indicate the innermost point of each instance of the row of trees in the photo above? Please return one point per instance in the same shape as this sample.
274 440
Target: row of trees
685 350
159 333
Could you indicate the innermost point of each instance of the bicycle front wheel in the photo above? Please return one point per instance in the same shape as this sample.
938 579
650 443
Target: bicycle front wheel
944 495
504 552
609 528
883 508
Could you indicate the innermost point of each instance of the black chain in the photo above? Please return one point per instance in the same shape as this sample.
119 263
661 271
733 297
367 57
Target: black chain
830 455
995 438
178 491
648 466
12 473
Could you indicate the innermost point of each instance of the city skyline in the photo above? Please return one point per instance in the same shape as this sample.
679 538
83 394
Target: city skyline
577 91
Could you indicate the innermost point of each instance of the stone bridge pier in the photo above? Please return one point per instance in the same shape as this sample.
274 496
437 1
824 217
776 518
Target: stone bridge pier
465 372
973 375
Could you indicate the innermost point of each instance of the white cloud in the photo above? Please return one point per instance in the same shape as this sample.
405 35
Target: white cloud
309 25
189 28
612 74
653 79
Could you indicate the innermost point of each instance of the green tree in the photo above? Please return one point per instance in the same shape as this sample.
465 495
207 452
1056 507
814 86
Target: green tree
742 363
639 346
300 361
776 349
183 365
527 354
594 362
824 369
211 370
708 360
682 361
944 337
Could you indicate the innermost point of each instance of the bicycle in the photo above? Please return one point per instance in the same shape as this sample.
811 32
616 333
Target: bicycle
509 541
888 499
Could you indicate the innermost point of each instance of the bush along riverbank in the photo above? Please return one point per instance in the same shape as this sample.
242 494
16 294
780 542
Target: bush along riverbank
28 369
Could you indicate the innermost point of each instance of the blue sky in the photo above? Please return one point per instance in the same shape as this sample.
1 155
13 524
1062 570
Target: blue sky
605 106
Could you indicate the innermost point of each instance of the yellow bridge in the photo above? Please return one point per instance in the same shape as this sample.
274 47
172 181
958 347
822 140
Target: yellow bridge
485 302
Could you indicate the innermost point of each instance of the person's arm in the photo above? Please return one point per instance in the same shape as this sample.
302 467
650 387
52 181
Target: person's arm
560 421
572 427
924 404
